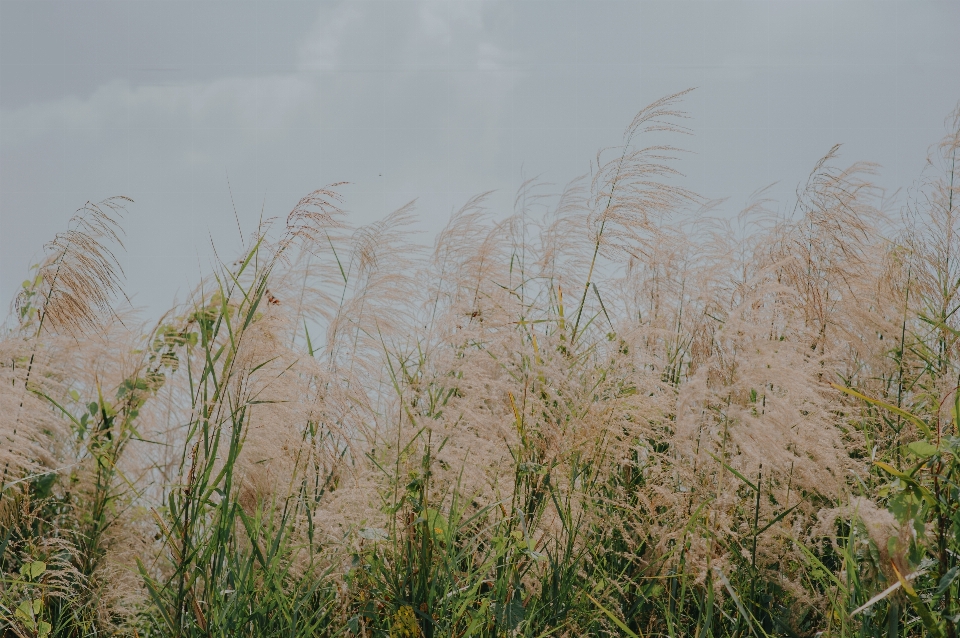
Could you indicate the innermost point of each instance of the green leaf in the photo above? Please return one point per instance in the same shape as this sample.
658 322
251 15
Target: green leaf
37 567
28 610
911 482
735 473
905 506
923 449
24 611
887 406
933 626
947 580
436 523
776 520
619 623
32 570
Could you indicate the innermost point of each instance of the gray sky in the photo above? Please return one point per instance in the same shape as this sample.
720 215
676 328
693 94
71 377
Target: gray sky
163 101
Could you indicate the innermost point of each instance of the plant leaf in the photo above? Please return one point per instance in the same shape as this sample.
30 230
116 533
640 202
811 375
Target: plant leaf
923 449
37 567
619 623
930 623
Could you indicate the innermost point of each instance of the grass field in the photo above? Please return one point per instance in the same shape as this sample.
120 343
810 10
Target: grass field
612 412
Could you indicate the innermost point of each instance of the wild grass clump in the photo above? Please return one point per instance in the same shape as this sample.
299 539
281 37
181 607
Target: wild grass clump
610 412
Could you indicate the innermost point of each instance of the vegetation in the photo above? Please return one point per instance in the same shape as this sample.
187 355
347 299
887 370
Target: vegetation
609 413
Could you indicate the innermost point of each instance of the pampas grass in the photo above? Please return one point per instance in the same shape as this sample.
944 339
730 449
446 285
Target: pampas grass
610 412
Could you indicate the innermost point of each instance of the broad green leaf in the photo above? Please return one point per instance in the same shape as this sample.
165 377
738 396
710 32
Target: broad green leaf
24 610
37 567
923 449
924 493
947 580
32 570
437 523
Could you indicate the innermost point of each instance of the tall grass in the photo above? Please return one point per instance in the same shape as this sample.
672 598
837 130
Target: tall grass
610 412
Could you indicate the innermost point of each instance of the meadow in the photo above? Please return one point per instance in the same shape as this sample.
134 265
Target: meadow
613 411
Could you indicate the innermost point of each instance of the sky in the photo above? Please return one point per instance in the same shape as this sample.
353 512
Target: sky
210 112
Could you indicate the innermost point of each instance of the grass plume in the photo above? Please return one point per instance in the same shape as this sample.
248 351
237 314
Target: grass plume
611 411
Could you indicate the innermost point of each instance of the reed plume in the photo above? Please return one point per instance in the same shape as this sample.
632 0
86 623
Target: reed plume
613 410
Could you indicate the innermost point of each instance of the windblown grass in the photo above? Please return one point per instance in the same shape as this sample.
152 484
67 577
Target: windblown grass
608 413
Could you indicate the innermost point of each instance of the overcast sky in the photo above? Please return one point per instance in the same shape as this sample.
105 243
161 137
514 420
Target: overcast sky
168 102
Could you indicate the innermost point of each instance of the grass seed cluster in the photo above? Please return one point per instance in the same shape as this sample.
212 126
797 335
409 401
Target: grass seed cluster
613 412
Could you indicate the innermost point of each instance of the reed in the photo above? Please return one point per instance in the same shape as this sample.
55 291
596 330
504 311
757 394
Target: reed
609 412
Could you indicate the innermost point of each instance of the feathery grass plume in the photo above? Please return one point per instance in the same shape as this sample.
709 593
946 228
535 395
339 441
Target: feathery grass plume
377 279
73 287
255 435
47 460
41 591
831 245
934 243
606 412
82 491
80 275
891 539
629 192
32 437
